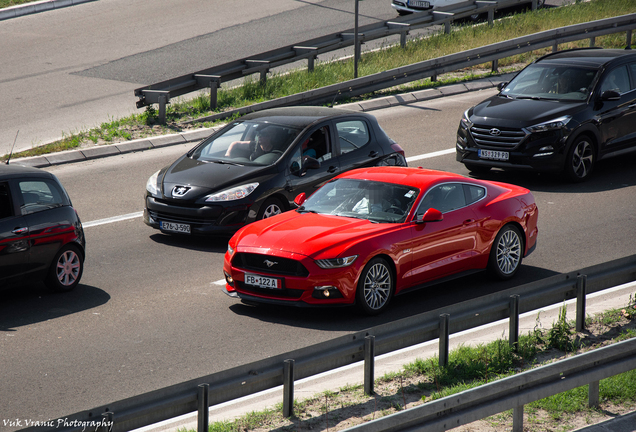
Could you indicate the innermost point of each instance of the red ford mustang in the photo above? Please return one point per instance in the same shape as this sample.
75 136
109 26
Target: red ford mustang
373 233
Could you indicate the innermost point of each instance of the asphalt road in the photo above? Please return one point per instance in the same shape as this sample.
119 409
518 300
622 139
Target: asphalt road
149 314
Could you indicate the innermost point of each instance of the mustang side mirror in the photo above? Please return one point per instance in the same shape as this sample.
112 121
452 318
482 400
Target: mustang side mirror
431 215
300 199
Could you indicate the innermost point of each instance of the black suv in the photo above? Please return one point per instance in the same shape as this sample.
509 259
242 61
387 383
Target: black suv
561 113
41 236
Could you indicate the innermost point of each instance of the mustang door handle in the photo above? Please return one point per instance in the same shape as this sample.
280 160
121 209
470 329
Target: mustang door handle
20 230
469 221
332 169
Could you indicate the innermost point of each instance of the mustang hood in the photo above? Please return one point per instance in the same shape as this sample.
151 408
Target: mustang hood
206 177
306 234
504 112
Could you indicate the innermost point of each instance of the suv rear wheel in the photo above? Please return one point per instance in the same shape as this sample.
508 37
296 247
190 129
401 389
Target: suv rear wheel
580 160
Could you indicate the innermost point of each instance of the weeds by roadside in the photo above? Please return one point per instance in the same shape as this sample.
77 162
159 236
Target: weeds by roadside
470 366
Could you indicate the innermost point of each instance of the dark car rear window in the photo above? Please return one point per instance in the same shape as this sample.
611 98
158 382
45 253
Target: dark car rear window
39 195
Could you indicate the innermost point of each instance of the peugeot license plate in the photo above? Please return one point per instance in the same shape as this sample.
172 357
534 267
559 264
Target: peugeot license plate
175 227
262 281
493 154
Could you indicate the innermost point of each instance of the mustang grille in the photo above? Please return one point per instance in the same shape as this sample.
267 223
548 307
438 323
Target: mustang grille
281 266
506 138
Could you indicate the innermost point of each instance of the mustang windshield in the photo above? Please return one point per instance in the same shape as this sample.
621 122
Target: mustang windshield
551 82
362 199
246 143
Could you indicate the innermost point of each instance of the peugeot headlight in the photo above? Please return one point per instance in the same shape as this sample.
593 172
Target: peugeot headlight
232 194
151 184
557 123
336 262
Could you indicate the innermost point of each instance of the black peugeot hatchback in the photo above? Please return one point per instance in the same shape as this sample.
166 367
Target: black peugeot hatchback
41 235
562 113
255 166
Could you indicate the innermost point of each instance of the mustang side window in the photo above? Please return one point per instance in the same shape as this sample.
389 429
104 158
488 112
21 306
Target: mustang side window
6 209
352 135
446 197
474 193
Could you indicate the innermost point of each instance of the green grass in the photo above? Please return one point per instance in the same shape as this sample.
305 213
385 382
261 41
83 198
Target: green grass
252 91
9 3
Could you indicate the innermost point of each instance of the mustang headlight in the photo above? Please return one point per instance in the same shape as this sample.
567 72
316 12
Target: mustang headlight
336 262
151 184
557 123
230 250
232 194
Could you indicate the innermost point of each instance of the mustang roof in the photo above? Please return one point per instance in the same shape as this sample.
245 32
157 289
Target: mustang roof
415 177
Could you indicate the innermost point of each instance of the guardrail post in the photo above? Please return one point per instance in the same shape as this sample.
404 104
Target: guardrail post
514 322
592 394
535 5
628 41
491 17
203 405
581 284
106 424
214 85
592 41
517 419
495 65
443 339
369 364
555 47
163 100
288 388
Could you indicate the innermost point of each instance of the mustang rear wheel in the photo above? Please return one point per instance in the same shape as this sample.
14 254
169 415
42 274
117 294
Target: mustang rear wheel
66 269
375 287
506 253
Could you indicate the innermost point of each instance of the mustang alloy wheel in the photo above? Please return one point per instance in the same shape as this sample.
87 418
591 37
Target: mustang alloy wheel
506 253
375 287
66 270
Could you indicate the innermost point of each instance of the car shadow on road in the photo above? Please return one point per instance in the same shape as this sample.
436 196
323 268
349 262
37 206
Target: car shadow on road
348 319
611 174
202 244
32 304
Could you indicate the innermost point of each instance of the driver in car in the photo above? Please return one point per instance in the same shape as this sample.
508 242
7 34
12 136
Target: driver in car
264 141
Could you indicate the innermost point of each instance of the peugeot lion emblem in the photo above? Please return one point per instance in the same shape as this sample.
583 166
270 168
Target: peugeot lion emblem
179 191
270 263
495 132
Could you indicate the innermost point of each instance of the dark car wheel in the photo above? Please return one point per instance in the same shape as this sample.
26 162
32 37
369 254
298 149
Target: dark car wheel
375 287
506 253
66 269
271 207
580 161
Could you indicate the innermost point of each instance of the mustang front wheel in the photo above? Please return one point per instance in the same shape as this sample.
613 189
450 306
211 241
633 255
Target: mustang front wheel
506 253
375 287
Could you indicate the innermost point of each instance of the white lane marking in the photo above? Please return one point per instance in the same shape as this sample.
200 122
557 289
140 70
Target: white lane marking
430 155
113 219
140 214
219 282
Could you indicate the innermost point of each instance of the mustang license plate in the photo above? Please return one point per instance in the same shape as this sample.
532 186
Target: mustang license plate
262 281
175 227
493 154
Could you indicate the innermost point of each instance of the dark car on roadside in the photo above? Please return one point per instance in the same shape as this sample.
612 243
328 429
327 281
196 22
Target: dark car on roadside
41 235
562 113
255 166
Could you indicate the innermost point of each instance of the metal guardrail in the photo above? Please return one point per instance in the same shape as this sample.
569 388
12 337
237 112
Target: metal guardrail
437 66
199 394
211 78
513 392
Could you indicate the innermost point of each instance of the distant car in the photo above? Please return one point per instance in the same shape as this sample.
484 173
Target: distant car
255 166
373 233
562 113
41 235
405 7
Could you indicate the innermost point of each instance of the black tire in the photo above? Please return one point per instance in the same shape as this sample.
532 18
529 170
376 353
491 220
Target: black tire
506 253
271 207
375 287
580 160
66 269
477 169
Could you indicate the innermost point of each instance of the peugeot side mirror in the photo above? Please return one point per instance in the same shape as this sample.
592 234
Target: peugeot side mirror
502 85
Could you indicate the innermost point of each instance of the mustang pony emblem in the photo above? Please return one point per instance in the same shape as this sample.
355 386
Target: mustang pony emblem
270 263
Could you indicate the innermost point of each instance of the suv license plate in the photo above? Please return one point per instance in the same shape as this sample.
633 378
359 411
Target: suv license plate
175 227
422 4
493 154
262 281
